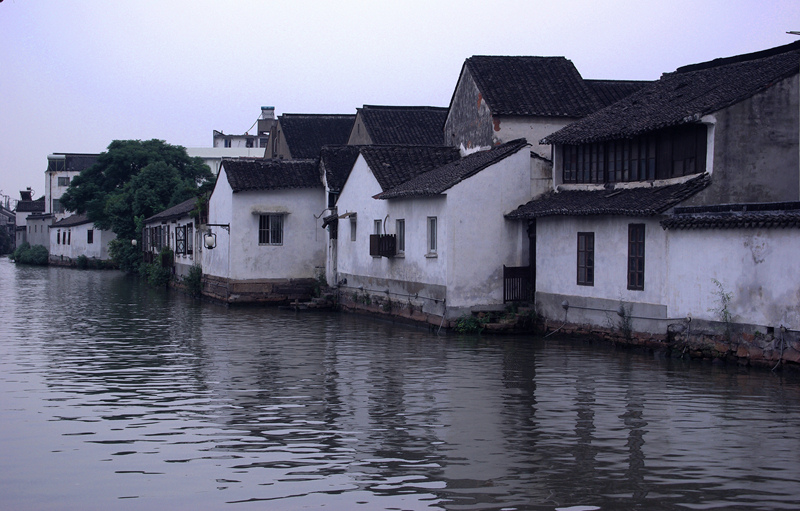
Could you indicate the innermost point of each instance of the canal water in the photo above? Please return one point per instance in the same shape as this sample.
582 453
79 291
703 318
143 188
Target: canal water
114 395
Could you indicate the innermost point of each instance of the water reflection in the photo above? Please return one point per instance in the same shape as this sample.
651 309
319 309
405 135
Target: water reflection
118 395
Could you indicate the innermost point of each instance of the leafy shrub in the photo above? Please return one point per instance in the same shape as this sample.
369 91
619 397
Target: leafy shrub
194 281
82 262
157 275
469 324
27 254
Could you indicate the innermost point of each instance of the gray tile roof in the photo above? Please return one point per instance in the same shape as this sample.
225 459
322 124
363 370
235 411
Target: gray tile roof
442 178
259 174
30 206
537 86
305 134
337 162
639 201
177 211
404 125
611 91
735 216
393 165
684 96
72 221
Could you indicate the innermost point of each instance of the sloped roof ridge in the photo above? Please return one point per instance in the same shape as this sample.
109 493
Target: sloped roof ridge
532 85
73 220
178 210
271 174
680 98
735 59
400 107
394 164
440 179
315 115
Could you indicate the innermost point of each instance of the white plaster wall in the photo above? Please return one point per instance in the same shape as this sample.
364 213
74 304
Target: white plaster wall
533 129
479 239
556 258
216 261
759 267
54 192
474 239
415 266
302 253
39 232
78 246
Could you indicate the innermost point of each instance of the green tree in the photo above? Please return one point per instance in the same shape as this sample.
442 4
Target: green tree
131 181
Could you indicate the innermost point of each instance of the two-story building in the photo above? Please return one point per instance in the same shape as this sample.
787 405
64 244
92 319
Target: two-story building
678 195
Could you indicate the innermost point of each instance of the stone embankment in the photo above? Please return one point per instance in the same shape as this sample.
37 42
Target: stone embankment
705 340
714 341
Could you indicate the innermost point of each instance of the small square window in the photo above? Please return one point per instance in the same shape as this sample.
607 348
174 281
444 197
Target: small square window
270 229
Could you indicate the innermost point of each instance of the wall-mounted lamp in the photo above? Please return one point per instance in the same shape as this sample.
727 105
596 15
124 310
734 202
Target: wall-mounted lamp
210 240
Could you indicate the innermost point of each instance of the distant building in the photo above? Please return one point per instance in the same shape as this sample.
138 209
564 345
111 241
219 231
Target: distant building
237 146
26 207
76 236
265 123
61 170
8 223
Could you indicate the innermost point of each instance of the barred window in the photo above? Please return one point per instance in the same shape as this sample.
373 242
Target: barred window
270 229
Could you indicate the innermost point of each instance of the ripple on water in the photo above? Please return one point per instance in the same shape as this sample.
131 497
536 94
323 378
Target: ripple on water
113 392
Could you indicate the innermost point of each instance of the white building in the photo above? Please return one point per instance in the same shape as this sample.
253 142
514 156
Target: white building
655 212
422 230
175 228
76 236
262 216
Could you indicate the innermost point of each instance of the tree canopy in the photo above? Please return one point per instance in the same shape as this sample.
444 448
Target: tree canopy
131 181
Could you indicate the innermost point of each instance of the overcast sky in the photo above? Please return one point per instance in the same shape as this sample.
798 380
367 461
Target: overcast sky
77 74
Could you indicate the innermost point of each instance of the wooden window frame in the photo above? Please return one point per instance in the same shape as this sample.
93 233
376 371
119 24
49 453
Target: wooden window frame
636 256
585 262
670 152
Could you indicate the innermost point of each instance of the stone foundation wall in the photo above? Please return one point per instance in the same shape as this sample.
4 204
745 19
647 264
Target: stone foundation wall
91 263
748 345
407 309
275 291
